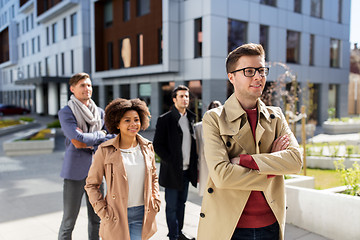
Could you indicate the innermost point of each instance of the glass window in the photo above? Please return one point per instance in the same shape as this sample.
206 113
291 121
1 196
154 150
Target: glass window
165 98
64 27
160 44
54 33
27 24
297 6
125 52
110 55
143 7
269 2
32 20
264 38
198 38
144 90
40 71
47 66
125 91
72 61
333 89
312 49
57 65
23 49
293 47
33 45
140 49
73 19
126 10
334 53
108 13
316 8
38 42
62 64
47 36
237 34
109 93
339 10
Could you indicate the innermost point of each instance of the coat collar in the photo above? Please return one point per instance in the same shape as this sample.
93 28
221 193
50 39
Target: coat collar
234 110
116 141
189 114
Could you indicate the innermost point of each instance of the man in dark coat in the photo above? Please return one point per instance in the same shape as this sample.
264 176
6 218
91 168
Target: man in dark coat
174 142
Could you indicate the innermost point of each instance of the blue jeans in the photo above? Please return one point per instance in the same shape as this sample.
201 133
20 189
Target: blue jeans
73 193
270 232
135 219
175 207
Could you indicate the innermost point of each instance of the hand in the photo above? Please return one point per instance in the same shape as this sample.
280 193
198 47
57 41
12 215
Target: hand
79 144
281 143
235 160
79 130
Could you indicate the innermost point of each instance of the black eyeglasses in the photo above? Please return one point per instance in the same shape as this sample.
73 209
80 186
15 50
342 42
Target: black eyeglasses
251 71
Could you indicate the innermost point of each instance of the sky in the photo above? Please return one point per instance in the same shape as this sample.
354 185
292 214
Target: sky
355 22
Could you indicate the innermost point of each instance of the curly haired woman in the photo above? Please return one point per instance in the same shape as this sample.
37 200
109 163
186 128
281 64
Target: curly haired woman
128 164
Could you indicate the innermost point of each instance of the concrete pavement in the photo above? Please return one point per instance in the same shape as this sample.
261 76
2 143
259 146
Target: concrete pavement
31 199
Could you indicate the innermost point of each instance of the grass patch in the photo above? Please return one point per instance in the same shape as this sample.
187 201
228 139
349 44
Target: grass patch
324 178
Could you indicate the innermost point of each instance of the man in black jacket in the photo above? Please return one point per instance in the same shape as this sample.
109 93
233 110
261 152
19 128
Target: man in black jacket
174 142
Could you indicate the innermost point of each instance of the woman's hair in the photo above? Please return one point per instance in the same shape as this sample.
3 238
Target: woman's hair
116 109
249 49
214 104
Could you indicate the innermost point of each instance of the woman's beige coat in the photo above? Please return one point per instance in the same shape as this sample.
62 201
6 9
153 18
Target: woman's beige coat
113 208
227 134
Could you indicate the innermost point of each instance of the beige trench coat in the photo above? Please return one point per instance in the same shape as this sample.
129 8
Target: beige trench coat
113 208
227 134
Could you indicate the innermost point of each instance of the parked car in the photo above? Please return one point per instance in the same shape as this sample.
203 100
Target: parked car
6 109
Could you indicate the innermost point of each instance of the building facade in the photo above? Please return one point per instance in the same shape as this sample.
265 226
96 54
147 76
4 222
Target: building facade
45 43
144 48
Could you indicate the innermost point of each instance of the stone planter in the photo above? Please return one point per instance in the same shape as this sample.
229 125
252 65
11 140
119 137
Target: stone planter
341 127
17 147
16 128
300 181
332 215
328 162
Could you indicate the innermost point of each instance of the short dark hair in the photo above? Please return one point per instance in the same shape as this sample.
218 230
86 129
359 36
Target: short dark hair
116 109
77 77
179 88
214 104
249 49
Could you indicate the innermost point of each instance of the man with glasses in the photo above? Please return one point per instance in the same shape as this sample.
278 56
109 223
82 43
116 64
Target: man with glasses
248 148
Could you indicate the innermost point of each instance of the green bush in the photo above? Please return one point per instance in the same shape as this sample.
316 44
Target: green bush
350 177
26 119
54 124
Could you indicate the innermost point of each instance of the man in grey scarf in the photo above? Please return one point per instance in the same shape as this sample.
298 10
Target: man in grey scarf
82 123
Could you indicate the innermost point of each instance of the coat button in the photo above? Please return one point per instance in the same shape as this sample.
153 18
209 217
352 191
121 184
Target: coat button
114 219
228 144
210 190
272 116
113 197
202 215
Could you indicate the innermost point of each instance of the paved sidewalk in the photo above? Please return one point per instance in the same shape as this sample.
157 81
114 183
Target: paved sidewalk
31 199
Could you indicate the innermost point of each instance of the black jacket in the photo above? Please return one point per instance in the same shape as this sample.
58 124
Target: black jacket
167 144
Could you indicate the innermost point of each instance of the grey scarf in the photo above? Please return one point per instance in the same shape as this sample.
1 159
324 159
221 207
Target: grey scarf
85 116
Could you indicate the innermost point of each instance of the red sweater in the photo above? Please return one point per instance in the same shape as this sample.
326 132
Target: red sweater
257 212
